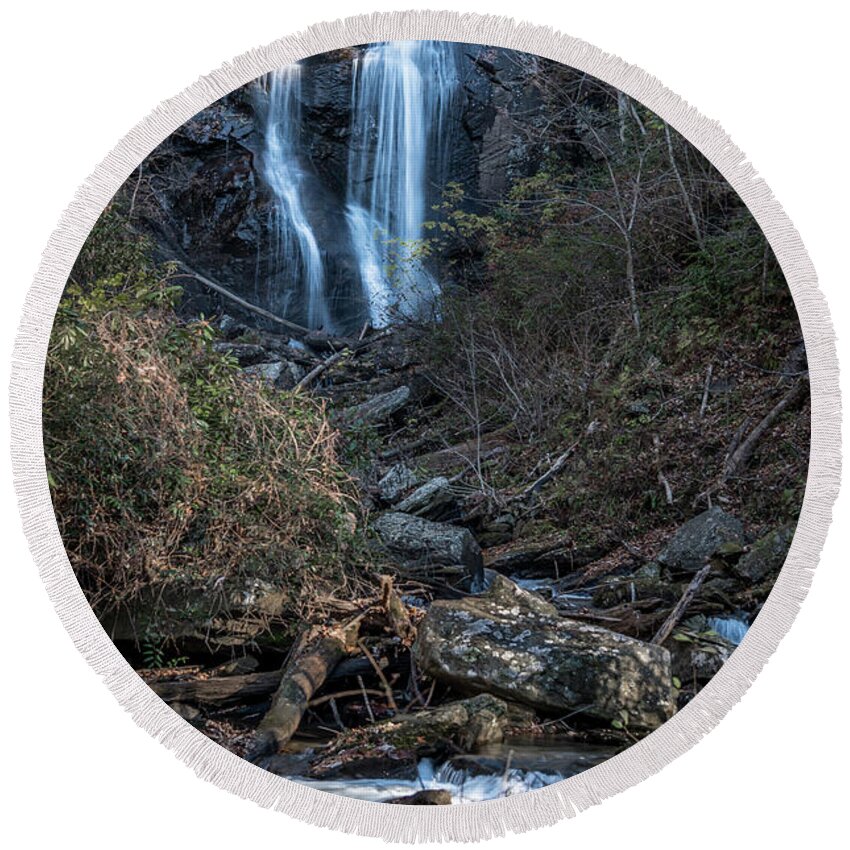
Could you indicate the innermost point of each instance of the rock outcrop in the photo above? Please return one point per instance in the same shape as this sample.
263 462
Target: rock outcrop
510 643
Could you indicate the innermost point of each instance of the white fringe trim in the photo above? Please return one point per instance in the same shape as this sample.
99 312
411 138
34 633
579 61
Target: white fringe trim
410 823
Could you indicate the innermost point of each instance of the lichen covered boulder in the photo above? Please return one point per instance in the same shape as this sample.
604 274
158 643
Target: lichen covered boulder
433 500
398 479
700 538
766 556
510 643
377 409
420 541
393 747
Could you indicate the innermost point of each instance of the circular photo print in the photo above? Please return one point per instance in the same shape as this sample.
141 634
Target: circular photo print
426 422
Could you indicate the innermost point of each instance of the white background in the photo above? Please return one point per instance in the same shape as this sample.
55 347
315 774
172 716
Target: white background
77 76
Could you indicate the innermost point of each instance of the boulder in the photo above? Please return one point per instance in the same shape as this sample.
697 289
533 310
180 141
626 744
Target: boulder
398 480
245 354
700 660
393 747
428 797
421 541
433 500
700 538
766 556
511 643
377 409
281 373
270 372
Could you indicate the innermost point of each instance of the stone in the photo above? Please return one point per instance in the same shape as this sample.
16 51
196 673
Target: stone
393 747
269 372
244 353
766 556
511 643
422 541
698 539
377 409
397 481
701 660
433 500
429 797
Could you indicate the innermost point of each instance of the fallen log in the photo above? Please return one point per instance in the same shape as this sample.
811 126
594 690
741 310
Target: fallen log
219 691
224 691
740 457
314 658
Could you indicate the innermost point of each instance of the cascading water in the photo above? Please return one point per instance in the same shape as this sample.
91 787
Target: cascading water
297 273
401 96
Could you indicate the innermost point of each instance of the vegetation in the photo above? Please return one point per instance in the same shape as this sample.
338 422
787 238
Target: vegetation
168 467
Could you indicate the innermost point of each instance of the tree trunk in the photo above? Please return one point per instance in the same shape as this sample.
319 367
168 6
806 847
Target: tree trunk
314 658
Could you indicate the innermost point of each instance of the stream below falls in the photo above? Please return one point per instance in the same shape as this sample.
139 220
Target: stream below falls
495 770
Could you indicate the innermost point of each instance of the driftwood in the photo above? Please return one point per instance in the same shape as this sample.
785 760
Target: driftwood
740 457
681 606
313 659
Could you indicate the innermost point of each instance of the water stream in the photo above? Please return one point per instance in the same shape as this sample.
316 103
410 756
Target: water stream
496 770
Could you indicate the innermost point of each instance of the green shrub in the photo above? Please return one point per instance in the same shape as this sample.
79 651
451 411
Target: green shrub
169 468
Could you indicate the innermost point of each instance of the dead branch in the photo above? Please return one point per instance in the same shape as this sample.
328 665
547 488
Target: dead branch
681 606
554 469
295 330
705 392
740 457
318 370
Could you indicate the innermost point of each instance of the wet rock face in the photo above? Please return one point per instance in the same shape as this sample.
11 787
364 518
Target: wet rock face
420 541
510 643
211 207
700 538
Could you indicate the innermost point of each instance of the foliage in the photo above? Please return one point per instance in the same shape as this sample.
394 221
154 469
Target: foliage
168 468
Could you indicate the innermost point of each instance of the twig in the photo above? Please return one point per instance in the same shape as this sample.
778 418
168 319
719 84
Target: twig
388 691
679 609
342 694
335 712
365 695
705 391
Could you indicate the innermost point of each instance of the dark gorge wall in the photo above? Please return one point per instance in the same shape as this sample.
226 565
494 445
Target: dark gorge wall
203 196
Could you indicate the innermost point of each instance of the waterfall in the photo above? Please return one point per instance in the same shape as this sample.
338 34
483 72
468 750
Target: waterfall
402 92
297 279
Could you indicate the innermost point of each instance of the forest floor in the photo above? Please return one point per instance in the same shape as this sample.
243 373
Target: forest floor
658 514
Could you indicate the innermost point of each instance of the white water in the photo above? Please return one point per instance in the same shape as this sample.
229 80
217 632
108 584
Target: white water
729 628
402 92
536 764
298 275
